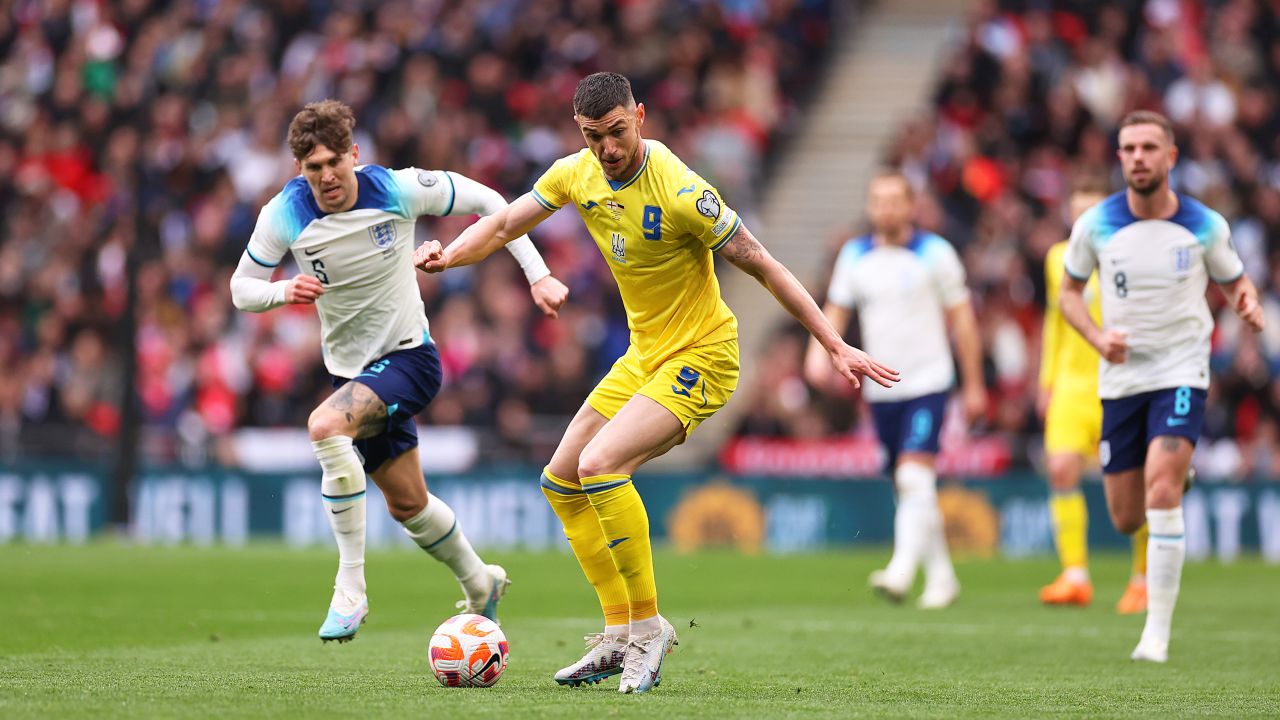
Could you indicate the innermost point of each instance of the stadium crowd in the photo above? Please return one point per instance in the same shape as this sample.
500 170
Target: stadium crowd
1025 108
187 102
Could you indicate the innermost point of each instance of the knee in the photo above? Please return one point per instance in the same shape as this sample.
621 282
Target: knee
1063 476
1127 520
593 461
1164 492
325 423
404 507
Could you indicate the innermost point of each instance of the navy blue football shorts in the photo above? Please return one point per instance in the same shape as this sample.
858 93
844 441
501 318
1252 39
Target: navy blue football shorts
909 426
1129 424
406 381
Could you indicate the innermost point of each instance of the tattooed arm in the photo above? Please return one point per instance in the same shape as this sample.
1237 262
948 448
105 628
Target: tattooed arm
748 255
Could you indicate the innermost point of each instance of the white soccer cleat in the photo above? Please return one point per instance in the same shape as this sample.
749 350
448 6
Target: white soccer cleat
938 595
1151 651
886 588
347 612
486 602
642 666
604 657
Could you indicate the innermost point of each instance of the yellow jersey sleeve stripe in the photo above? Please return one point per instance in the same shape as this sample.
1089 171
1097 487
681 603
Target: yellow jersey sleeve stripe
729 235
544 202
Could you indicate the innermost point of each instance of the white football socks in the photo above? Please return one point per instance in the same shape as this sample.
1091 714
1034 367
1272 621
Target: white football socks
915 522
436 530
1166 551
342 486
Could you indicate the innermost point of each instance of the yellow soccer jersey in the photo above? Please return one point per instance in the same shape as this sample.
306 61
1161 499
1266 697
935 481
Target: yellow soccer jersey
1068 363
657 231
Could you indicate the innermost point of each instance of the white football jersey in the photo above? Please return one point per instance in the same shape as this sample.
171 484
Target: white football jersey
901 295
363 256
1153 275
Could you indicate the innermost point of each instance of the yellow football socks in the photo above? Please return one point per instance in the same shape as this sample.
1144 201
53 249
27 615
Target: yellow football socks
1070 528
582 528
1139 540
626 530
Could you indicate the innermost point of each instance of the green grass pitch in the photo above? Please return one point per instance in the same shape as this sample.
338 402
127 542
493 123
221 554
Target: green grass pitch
113 631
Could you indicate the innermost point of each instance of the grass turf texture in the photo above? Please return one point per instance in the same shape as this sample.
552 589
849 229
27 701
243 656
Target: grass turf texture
114 631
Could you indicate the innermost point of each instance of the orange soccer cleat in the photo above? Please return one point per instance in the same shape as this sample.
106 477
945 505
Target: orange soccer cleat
1065 591
1134 600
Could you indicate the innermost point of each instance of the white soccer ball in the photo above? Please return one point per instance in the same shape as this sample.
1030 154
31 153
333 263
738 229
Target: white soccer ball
468 651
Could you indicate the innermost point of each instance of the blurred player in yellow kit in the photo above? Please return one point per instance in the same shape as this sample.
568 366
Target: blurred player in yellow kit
656 223
1072 430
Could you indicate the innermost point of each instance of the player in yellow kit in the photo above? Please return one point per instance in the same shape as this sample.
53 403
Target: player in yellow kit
1072 430
657 224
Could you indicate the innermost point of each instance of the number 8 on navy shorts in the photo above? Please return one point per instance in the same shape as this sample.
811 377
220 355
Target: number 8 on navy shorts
1129 424
405 381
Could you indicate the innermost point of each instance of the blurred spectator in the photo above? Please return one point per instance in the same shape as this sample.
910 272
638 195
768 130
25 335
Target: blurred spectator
179 110
1030 99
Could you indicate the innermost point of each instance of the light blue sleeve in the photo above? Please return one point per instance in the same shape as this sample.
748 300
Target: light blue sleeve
424 192
1220 256
273 233
946 271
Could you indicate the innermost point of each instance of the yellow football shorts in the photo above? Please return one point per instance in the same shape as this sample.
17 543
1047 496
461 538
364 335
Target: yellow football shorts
1073 424
693 384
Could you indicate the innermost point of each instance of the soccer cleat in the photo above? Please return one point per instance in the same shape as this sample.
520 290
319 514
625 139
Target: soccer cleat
604 657
1150 651
347 612
1064 591
1134 599
880 582
642 664
487 604
939 595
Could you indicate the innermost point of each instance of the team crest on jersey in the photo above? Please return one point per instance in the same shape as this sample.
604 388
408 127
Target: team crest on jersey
383 234
618 245
615 207
708 205
1181 259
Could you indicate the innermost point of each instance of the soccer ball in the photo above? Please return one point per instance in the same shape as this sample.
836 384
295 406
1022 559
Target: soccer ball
468 651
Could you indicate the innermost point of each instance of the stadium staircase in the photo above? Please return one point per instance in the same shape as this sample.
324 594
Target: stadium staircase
882 71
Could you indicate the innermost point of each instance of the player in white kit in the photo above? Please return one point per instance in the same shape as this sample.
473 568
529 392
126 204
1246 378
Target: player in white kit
908 287
1155 251
350 230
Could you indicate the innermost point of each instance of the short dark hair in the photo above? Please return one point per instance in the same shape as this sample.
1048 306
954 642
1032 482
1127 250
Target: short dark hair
1148 117
601 92
328 123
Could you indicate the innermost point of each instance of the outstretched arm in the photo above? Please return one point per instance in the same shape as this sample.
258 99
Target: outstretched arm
483 237
473 198
748 255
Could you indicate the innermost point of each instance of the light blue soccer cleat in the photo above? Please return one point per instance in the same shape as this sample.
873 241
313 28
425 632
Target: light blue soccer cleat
346 614
487 603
